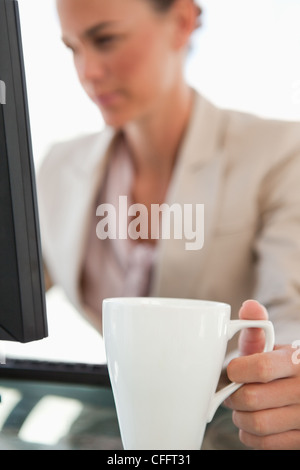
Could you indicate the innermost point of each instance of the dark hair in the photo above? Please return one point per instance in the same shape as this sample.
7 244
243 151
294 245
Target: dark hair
164 5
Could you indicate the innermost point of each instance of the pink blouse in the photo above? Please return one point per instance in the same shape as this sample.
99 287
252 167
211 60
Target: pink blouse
115 267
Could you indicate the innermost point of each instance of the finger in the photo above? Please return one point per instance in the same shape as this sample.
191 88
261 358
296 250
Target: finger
252 340
255 397
283 441
266 422
264 367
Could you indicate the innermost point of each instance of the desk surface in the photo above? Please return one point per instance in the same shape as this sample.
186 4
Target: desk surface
41 415
52 416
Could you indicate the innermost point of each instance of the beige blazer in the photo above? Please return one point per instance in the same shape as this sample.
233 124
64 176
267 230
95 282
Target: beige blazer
246 172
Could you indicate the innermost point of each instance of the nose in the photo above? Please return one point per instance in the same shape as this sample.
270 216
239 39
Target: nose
90 66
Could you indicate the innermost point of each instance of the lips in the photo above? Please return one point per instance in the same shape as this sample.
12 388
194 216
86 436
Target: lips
106 99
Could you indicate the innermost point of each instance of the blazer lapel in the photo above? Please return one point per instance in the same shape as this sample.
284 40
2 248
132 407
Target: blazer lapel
87 177
197 180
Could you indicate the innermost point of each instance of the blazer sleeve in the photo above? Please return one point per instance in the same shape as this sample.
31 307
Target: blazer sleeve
277 246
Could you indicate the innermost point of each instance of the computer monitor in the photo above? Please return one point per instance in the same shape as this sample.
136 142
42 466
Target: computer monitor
22 296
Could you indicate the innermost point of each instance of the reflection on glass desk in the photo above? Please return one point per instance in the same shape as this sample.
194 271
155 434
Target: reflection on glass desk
41 415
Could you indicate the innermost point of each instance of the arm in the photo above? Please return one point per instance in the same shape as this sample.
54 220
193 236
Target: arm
277 248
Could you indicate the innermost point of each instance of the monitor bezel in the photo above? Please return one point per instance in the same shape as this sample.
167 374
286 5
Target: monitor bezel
14 108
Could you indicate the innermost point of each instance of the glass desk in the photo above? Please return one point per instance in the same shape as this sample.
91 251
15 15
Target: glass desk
47 415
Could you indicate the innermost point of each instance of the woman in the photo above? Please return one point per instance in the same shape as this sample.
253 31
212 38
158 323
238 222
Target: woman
164 143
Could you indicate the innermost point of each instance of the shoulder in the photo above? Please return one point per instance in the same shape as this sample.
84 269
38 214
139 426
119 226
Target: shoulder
243 140
77 154
70 171
263 154
265 139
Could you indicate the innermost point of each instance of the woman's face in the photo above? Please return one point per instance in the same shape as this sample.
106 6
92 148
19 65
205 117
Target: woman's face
125 52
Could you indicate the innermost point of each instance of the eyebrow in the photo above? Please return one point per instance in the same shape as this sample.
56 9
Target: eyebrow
97 28
90 32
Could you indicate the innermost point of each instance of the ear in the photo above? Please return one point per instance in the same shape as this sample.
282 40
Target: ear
185 16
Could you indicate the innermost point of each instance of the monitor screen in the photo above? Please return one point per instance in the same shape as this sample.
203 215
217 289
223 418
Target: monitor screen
22 297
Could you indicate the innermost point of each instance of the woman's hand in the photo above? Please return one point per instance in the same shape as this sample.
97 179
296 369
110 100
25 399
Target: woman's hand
267 408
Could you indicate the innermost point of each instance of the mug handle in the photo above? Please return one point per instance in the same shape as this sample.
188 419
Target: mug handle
234 327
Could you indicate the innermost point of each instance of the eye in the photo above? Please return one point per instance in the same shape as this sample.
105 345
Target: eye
105 42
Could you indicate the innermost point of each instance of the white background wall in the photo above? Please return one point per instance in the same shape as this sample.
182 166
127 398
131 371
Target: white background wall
246 56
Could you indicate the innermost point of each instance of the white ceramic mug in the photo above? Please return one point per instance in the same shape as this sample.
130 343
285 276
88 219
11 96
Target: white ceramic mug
165 358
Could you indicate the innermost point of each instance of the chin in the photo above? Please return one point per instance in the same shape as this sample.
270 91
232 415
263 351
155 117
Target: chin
116 119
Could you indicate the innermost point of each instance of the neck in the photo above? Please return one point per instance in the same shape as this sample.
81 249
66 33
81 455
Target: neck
154 140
